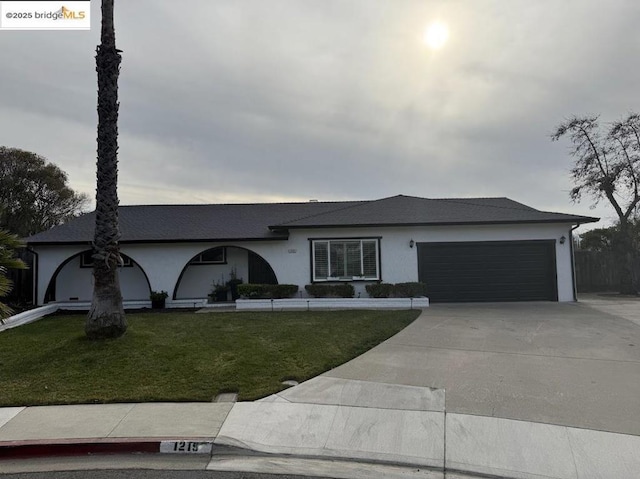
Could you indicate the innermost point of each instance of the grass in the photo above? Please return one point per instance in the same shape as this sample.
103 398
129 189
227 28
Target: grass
183 356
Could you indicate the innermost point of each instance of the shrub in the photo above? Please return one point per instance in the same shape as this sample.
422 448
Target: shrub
158 295
342 290
267 291
252 291
280 291
409 290
379 290
398 290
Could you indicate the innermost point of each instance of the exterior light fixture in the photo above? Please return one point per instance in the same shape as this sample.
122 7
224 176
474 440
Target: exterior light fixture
562 239
411 243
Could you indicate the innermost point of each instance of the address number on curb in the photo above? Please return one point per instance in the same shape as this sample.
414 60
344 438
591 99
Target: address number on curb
185 447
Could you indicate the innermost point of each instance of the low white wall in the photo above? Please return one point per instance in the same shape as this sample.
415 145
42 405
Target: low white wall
331 303
27 317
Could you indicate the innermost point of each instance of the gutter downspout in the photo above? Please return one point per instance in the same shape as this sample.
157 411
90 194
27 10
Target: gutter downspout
573 263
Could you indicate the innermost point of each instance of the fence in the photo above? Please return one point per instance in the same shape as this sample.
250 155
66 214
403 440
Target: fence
596 271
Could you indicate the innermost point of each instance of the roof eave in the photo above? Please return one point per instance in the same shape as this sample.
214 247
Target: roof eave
158 241
574 221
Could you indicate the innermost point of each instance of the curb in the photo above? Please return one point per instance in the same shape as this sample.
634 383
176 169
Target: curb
74 447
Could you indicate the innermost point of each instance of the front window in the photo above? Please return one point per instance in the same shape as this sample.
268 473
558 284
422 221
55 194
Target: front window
335 260
211 256
86 260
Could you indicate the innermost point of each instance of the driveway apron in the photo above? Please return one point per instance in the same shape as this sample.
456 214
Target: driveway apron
570 364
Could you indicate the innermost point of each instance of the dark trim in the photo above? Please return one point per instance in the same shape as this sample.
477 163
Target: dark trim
345 238
50 291
177 241
36 268
573 264
184 269
310 260
578 221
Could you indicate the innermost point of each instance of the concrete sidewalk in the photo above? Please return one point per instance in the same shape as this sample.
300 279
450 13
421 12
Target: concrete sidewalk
338 426
360 422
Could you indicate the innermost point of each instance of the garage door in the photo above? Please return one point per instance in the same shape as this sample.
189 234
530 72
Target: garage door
488 271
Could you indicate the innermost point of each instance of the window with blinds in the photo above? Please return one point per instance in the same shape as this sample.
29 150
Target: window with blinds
335 260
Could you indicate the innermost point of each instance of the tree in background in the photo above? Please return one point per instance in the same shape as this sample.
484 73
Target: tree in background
34 194
106 317
607 165
9 243
602 239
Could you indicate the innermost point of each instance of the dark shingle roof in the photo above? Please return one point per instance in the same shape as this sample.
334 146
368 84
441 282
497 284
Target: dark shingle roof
410 210
168 223
270 221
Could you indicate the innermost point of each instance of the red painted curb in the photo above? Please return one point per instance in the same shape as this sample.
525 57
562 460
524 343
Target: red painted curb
18 450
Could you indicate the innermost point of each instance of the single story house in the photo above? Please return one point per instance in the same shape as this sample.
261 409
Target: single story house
464 249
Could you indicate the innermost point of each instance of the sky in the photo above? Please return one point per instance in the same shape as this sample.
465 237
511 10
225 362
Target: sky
291 100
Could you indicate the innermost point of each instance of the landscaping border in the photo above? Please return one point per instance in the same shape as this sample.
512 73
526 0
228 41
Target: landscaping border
331 303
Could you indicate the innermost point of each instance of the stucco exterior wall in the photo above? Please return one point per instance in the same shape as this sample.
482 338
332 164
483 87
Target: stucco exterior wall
76 283
198 280
291 261
399 262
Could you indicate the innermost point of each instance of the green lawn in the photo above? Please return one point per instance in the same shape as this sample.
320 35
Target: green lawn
183 356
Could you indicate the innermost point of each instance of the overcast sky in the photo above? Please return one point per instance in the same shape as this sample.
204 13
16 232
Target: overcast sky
287 100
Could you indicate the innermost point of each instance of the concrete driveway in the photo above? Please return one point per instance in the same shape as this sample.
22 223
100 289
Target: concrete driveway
571 364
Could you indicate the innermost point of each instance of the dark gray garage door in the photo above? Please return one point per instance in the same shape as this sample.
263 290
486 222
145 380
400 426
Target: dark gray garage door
488 271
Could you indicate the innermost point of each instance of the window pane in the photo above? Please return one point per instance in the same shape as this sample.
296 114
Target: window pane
321 260
215 255
354 264
369 259
337 259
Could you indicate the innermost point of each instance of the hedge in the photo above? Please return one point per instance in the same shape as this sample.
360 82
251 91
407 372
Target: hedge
343 290
398 290
267 291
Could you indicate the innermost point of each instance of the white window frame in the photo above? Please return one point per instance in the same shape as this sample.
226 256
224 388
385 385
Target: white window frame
328 242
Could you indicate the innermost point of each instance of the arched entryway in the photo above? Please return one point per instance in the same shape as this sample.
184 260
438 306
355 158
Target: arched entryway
219 265
73 280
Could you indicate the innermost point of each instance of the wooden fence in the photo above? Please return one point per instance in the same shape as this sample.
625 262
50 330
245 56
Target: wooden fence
596 271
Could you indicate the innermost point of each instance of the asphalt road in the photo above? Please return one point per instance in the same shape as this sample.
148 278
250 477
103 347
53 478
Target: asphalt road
146 474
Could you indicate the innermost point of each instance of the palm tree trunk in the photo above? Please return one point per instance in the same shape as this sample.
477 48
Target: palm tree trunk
106 317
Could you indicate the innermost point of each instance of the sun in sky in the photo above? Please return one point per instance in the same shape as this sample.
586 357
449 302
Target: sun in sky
436 35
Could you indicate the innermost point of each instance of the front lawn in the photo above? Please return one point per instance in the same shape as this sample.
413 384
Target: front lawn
183 356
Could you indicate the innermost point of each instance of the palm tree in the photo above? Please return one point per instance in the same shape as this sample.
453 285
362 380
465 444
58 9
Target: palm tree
106 317
8 244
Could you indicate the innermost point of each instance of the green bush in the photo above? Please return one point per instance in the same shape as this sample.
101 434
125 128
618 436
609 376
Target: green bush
409 290
398 290
267 291
280 291
342 290
379 290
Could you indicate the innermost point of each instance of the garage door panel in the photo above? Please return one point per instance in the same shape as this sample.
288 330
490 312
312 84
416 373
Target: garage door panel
488 271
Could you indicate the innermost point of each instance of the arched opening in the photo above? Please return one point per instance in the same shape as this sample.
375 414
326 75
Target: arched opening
73 280
219 265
